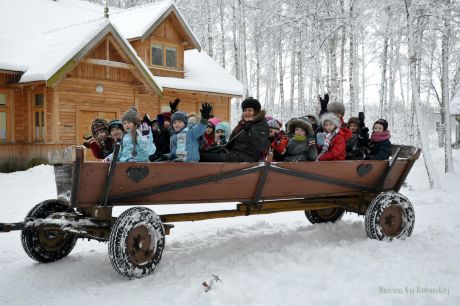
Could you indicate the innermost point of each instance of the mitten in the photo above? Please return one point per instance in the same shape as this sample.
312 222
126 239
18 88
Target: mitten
173 105
323 102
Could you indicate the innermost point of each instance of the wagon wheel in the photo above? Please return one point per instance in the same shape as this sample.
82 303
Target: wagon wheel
390 215
136 242
47 245
325 215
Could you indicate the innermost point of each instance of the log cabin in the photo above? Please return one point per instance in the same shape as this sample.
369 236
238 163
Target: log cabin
64 63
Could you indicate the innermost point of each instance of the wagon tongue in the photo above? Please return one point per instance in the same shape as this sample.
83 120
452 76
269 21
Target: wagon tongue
8 227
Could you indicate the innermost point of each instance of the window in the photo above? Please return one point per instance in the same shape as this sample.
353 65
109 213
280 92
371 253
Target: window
157 55
3 118
39 118
171 55
164 56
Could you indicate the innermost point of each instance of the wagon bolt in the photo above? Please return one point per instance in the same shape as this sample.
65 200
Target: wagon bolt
389 220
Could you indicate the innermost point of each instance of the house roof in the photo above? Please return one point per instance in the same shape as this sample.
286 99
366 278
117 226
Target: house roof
41 37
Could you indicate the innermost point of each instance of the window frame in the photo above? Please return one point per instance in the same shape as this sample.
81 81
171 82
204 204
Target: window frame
6 109
41 110
165 46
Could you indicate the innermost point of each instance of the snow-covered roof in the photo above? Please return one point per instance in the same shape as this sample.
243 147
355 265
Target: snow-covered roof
455 104
39 37
202 73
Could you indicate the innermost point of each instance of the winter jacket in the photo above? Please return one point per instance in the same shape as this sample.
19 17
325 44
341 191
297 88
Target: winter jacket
161 139
249 139
356 147
336 147
102 150
380 150
207 140
190 150
143 149
278 146
302 150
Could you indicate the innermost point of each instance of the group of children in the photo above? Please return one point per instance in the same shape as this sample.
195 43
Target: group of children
177 136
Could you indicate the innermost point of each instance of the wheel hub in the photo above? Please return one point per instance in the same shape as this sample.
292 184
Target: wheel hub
140 245
327 213
391 220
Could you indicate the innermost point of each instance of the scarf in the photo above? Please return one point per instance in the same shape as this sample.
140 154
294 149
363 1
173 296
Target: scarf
327 140
299 138
380 136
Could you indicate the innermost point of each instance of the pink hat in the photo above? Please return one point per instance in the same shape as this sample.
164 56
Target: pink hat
214 121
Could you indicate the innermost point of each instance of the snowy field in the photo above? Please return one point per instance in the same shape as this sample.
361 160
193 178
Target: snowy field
277 259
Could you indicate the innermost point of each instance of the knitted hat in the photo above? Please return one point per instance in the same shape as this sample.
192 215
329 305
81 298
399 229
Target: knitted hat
354 120
98 124
251 103
115 123
336 107
299 123
330 117
179 116
131 116
214 121
274 124
382 122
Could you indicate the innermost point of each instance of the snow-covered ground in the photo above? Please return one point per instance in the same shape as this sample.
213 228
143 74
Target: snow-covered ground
277 259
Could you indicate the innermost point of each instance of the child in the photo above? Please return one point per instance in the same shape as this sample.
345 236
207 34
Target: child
116 130
380 141
278 140
333 147
222 133
300 147
99 142
135 147
357 145
314 121
185 139
209 136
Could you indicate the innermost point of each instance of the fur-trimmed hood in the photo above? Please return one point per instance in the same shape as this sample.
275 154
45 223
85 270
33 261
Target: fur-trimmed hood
301 123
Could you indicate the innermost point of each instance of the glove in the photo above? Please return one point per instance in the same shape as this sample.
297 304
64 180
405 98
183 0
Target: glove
206 110
361 120
323 102
364 133
311 141
173 105
146 119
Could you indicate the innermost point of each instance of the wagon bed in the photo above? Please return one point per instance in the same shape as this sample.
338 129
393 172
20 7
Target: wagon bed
88 190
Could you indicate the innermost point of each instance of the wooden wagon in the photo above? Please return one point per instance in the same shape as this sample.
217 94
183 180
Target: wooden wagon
87 192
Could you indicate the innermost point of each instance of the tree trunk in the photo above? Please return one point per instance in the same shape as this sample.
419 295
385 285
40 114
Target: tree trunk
342 51
280 66
235 42
222 33
300 62
243 53
431 171
384 65
292 71
209 30
445 53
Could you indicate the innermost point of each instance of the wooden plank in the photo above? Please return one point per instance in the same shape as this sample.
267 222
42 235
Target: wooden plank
108 63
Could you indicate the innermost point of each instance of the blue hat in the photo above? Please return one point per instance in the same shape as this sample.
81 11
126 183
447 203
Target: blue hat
179 116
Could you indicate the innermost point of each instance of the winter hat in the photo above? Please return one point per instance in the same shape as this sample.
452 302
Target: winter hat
98 124
131 116
382 122
268 118
251 103
166 116
214 121
330 117
115 123
354 120
314 116
274 124
299 123
179 116
336 107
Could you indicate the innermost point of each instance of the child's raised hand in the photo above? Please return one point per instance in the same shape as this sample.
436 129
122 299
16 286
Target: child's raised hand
206 110
173 105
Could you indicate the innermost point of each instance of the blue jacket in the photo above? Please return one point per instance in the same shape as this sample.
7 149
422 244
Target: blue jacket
190 135
144 147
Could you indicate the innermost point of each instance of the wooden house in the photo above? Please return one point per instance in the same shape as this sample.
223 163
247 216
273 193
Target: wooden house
62 63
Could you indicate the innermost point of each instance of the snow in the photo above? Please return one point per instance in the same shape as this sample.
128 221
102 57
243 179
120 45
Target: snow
202 73
277 259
